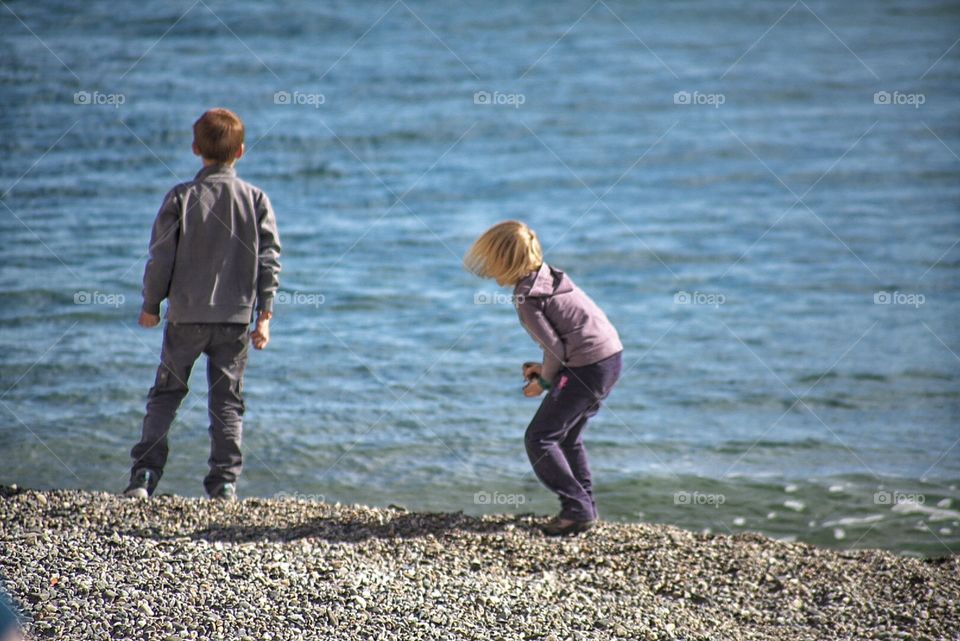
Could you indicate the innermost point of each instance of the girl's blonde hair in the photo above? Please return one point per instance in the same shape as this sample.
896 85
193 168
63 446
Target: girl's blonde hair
506 252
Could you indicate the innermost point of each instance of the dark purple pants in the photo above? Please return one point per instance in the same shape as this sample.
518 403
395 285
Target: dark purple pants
554 438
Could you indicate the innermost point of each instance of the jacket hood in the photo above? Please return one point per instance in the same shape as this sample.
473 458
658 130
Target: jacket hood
546 281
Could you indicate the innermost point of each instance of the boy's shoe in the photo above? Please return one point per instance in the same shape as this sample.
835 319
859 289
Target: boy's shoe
142 484
566 527
226 492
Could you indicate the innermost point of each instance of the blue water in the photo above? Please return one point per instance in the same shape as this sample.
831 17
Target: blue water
781 201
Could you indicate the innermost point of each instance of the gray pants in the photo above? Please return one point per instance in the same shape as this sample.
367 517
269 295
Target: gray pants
226 346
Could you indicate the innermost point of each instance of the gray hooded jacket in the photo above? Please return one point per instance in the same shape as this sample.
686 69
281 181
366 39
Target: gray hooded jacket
572 330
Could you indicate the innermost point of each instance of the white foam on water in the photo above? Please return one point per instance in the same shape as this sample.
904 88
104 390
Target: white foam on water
945 503
794 505
839 534
854 520
833 489
945 530
933 513
790 488
771 515
739 520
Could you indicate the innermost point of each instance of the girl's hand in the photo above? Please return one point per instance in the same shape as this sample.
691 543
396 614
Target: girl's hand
532 370
532 389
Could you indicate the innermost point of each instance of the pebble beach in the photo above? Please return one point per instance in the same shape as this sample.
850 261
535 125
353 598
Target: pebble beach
91 566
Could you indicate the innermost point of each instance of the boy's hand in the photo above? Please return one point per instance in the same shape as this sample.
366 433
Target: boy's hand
532 370
261 334
532 389
148 320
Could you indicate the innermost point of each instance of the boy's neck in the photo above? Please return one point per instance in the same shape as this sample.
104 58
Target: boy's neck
210 163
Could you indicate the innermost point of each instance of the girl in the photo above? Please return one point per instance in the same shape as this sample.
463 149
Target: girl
581 364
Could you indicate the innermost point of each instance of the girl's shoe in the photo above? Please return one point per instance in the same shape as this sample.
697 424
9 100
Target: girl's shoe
226 492
566 527
142 484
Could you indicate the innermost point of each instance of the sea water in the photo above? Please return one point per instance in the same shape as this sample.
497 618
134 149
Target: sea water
762 196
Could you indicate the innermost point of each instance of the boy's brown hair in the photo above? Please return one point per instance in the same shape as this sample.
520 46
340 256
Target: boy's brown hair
218 135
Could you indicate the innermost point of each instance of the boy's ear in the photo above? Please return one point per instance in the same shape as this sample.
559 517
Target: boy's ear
240 152
196 148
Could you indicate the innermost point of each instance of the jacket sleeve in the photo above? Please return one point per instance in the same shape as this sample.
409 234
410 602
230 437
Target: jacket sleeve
163 251
268 257
538 326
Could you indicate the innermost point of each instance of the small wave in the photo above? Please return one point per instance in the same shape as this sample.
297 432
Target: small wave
874 377
853 520
816 378
869 376
313 170
927 375
934 513
796 506
832 403
736 447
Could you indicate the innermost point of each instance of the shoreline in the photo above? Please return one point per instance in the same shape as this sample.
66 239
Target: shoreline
88 565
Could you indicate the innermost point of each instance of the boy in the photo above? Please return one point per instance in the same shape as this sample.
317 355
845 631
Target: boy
214 255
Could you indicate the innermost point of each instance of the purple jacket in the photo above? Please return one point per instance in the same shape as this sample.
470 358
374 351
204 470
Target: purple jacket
572 330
